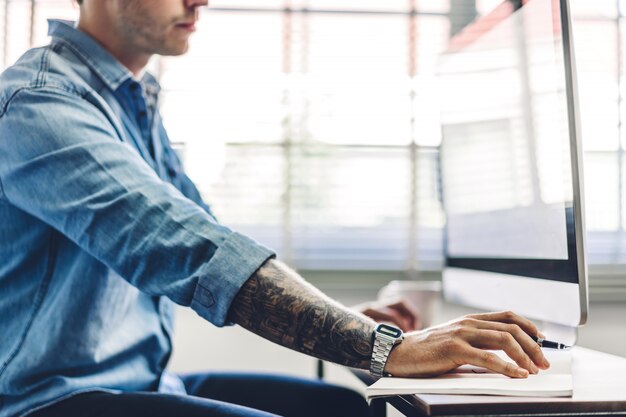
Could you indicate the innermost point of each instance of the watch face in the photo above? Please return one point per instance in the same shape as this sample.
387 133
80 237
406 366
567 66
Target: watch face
389 330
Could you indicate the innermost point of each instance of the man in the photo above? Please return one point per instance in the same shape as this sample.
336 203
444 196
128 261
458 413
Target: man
100 229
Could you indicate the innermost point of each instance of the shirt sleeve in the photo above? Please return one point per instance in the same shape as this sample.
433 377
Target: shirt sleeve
62 161
177 173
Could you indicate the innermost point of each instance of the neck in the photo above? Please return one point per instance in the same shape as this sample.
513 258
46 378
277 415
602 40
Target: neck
100 30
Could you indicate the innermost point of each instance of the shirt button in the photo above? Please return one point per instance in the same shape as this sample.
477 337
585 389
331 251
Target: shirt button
134 86
142 114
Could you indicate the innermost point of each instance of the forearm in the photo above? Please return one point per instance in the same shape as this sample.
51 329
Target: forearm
277 304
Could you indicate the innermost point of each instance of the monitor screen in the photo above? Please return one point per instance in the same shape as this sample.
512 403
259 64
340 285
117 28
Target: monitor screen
510 156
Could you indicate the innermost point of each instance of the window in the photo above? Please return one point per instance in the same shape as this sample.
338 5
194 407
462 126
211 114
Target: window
307 124
321 110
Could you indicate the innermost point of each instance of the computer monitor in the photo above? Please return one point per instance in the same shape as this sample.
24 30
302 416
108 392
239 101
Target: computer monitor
511 165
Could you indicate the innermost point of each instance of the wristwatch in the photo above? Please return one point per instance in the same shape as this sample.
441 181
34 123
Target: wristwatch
385 338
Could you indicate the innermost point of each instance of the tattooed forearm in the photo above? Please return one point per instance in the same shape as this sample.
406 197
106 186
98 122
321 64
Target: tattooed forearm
277 304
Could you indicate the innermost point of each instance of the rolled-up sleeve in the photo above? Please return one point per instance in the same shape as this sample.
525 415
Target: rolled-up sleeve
61 160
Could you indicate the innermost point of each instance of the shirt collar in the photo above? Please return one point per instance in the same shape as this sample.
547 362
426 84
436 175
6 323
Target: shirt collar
109 69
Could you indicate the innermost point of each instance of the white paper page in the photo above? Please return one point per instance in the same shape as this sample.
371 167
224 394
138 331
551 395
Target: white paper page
560 363
557 381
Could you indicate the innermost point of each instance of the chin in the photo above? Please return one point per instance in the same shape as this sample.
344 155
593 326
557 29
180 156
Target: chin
174 50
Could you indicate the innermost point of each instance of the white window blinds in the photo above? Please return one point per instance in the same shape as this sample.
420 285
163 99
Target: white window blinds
308 125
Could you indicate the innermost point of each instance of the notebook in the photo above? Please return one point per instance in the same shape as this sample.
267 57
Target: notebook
557 381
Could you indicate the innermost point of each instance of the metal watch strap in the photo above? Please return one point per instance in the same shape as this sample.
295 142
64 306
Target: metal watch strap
380 352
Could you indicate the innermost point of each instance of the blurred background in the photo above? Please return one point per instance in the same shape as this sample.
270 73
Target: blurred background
313 126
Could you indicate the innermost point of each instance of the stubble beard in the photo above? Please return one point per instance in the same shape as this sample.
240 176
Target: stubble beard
146 34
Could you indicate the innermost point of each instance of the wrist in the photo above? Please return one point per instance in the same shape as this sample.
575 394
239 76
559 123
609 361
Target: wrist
394 361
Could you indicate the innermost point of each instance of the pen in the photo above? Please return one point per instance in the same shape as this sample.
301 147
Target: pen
549 343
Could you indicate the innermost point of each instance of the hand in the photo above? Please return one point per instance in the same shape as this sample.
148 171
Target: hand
399 313
443 348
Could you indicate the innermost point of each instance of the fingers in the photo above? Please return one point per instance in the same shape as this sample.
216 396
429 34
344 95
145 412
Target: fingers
502 340
407 312
397 312
493 362
511 335
529 346
511 318
385 314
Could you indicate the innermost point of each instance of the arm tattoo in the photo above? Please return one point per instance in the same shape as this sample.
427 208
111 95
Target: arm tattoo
277 304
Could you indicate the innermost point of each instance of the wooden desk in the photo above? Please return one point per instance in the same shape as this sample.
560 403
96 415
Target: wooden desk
599 390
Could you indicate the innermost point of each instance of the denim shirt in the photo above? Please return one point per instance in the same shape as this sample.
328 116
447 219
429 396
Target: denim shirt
99 230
